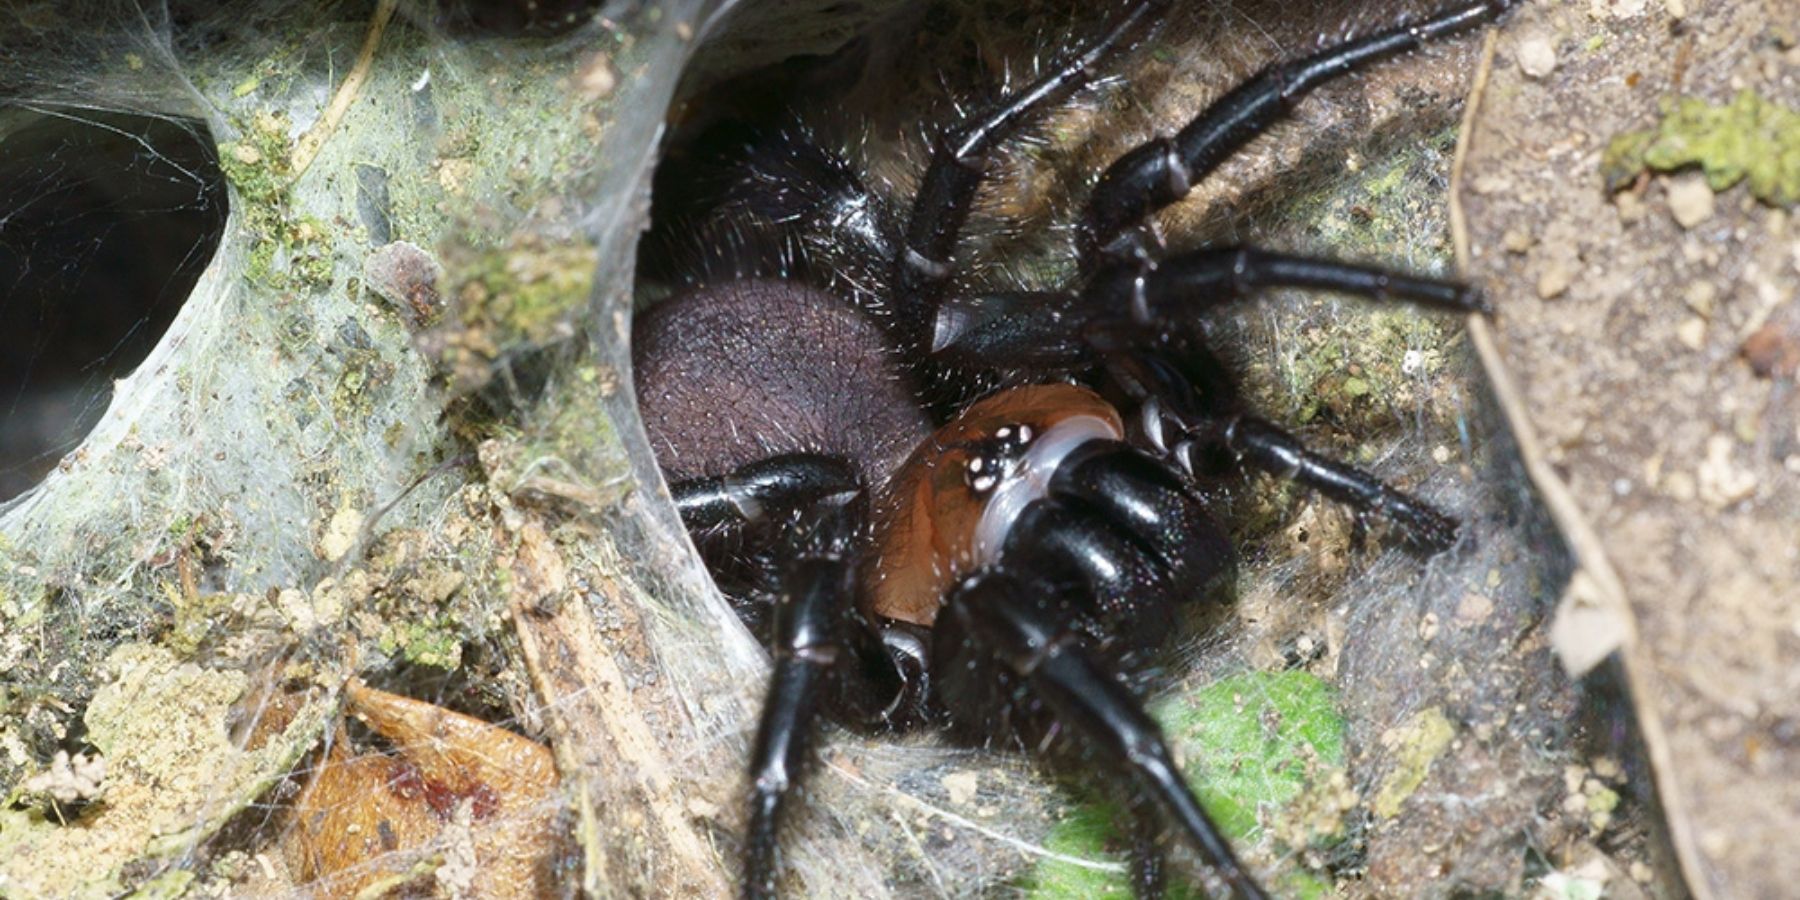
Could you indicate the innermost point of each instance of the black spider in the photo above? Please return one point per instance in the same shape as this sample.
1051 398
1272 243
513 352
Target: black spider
997 566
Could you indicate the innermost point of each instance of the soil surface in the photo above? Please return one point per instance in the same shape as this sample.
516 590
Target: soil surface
1651 335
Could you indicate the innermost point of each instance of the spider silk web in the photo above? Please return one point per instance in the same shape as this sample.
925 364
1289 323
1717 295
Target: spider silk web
118 210
303 467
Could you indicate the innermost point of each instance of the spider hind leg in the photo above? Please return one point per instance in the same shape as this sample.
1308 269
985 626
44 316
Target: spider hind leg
811 512
958 166
828 661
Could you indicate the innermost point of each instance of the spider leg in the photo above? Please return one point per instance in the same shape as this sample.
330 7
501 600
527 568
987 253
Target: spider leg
959 163
1050 330
1039 331
1130 529
1149 881
1263 445
1162 171
761 490
1087 585
1191 283
1016 625
812 622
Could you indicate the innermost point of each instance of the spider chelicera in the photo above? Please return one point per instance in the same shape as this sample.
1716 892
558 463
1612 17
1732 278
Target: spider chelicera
1000 566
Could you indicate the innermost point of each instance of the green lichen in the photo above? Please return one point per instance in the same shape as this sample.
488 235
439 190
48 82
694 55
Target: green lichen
512 301
291 251
1749 139
1255 741
1416 745
529 293
309 261
364 375
195 618
1603 800
424 643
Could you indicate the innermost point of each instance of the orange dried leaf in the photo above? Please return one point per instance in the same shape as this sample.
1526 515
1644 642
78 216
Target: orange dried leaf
458 800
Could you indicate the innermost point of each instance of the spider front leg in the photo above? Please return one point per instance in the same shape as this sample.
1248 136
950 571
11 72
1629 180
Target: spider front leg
1263 445
959 164
1183 287
1124 307
1050 330
1086 584
1190 421
762 491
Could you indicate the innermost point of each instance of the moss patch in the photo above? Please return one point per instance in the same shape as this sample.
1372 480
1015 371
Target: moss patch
1748 138
510 301
424 643
530 291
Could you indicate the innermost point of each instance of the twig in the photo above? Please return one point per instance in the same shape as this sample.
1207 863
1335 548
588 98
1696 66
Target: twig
307 147
1023 846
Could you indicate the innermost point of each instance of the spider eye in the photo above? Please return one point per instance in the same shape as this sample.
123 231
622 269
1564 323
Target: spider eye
1014 435
991 460
984 469
982 482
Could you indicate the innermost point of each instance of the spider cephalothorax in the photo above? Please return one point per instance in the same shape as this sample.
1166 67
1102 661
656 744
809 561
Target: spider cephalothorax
980 511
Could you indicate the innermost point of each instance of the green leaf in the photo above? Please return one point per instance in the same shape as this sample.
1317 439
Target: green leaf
1249 742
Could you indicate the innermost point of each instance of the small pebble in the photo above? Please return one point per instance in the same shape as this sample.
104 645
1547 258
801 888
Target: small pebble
1772 352
1489 185
406 276
1537 57
1692 332
1474 608
1631 207
962 786
597 80
1690 201
1700 296
1554 281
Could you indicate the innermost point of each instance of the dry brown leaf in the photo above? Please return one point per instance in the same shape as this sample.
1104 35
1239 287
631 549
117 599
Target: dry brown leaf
457 800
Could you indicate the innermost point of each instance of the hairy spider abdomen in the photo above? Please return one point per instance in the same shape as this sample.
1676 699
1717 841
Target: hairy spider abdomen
736 372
